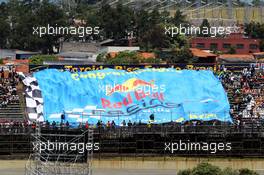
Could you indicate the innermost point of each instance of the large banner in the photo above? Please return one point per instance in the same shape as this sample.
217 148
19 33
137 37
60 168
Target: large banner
128 68
160 95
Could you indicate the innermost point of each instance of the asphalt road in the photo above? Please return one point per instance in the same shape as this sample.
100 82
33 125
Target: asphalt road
17 167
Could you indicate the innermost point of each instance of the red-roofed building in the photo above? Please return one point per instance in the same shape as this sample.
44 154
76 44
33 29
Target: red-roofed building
144 55
147 55
236 58
242 44
203 56
20 65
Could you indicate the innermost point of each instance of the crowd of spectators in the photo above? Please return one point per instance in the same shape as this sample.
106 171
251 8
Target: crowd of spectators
8 82
15 126
245 90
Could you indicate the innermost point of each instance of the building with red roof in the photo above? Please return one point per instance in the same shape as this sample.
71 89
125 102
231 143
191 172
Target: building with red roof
242 44
203 56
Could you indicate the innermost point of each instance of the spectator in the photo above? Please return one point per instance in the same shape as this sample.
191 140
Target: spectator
86 125
123 123
53 125
67 124
129 124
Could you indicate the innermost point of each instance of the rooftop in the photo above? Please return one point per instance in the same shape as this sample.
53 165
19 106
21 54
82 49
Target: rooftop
201 53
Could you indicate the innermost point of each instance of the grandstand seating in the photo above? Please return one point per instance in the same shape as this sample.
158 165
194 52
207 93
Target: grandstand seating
245 93
10 97
12 112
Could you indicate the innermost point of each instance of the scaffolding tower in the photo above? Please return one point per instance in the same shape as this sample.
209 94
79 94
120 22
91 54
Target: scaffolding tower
60 161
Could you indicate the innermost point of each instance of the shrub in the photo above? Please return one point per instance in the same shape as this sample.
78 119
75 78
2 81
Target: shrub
206 169
39 59
246 171
229 171
185 172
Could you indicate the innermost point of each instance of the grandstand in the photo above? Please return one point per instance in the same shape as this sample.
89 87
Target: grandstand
11 94
244 85
218 12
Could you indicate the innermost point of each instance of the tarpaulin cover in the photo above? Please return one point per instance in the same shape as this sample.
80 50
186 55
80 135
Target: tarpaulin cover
164 94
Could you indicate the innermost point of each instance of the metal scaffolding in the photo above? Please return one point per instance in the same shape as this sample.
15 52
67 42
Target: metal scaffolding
53 154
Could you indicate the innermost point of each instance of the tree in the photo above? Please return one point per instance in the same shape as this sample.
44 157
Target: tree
155 38
24 15
154 17
141 22
4 26
254 30
179 19
256 2
178 55
116 22
261 45
232 50
204 29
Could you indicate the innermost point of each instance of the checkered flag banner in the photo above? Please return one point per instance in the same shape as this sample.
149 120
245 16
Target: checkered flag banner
34 100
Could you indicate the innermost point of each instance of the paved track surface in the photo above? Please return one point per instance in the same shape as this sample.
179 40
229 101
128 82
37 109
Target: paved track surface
17 167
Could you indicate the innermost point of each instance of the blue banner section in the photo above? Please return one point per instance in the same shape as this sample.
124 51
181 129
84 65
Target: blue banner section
164 95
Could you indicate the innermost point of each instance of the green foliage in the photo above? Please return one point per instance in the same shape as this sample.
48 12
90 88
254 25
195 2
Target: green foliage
205 26
208 169
114 23
124 58
4 26
261 45
1 61
247 172
178 55
39 59
229 171
254 30
184 172
24 15
101 57
151 60
179 18
232 50
155 38
256 2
